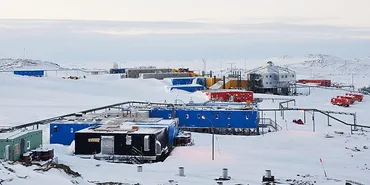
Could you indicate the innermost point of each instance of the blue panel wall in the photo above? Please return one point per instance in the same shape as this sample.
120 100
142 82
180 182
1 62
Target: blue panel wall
189 88
116 71
64 133
182 81
172 131
219 118
36 73
188 81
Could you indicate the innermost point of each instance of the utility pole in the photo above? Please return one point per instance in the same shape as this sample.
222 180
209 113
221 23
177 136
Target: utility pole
204 66
245 65
231 65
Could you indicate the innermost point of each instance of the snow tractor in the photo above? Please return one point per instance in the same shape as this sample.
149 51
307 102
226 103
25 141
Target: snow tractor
351 99
340 102
358 97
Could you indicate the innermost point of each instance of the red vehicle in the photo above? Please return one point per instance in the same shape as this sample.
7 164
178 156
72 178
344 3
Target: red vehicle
299 122
326 83
351 99
230 95
358 97
340 102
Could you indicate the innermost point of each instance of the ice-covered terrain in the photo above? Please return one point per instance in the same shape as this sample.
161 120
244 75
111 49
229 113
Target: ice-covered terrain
9 64
293 153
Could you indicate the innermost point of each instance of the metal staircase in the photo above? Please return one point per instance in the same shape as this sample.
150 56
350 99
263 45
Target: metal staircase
137 156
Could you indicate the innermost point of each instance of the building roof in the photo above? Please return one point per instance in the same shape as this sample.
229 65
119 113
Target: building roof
14 134
270 67
145 127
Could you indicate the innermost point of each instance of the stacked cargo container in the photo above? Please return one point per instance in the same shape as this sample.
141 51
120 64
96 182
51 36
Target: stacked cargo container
325 83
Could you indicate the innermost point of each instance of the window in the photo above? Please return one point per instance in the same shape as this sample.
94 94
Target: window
270 76
282 76
246 117
216 116
267 76
28 145
286 76
229 116
267 82
169 116
198 116
71 130
292 75
186 116
128 140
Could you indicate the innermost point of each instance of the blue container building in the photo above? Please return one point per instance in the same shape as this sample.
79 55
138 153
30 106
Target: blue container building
62 132
189 81
34 73
206 118
117 71
188 88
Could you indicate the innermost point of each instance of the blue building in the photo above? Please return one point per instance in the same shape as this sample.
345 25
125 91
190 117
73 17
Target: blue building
34 73
189 81
189 84
188 88
206 118
63 132
117 71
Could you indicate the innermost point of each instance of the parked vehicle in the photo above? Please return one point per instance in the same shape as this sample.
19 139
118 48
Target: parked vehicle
340 102
350 98
358 97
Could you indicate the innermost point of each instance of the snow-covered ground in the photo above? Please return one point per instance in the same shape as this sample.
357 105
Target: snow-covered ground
292 151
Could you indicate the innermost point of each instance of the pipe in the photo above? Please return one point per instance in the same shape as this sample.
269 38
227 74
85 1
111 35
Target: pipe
139 168
225 174
181 172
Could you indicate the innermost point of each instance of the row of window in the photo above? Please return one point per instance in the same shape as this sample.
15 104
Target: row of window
282 76
216 116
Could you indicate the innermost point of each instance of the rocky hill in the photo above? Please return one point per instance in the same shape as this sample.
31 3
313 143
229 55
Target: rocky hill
9 64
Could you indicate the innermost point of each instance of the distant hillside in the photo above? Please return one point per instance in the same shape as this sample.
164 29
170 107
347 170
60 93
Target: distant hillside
7 64
327 64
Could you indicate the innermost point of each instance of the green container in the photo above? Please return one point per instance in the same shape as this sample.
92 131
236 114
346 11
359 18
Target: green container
14 144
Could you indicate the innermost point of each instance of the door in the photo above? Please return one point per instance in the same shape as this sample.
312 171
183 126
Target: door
107 145
23 145
7 152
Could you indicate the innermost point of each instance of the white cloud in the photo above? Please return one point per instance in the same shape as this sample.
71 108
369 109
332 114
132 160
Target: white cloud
347 13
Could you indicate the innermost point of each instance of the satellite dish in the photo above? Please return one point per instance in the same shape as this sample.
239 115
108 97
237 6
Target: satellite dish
115 66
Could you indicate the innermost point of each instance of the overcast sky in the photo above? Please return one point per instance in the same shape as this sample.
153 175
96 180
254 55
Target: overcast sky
184 30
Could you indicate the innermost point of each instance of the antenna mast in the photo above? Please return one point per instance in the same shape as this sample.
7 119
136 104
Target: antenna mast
204 66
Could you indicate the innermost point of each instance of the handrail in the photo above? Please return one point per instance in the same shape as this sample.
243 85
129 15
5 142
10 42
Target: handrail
320 111
272 123
45 121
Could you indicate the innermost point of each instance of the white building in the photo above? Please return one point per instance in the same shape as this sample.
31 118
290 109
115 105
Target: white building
273 77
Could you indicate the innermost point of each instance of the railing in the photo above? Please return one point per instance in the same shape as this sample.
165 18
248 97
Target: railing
46 121
138 157
270 123
353 126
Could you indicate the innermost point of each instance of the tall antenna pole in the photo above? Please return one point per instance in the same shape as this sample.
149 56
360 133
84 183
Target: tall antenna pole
245 65
231 65
204 66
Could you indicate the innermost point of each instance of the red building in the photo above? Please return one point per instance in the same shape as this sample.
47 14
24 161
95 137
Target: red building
230 95
326 83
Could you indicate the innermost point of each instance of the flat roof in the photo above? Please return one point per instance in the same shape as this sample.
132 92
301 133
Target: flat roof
14 134
126 127
120 130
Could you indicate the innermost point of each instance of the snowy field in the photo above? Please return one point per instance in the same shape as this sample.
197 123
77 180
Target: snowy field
293 153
